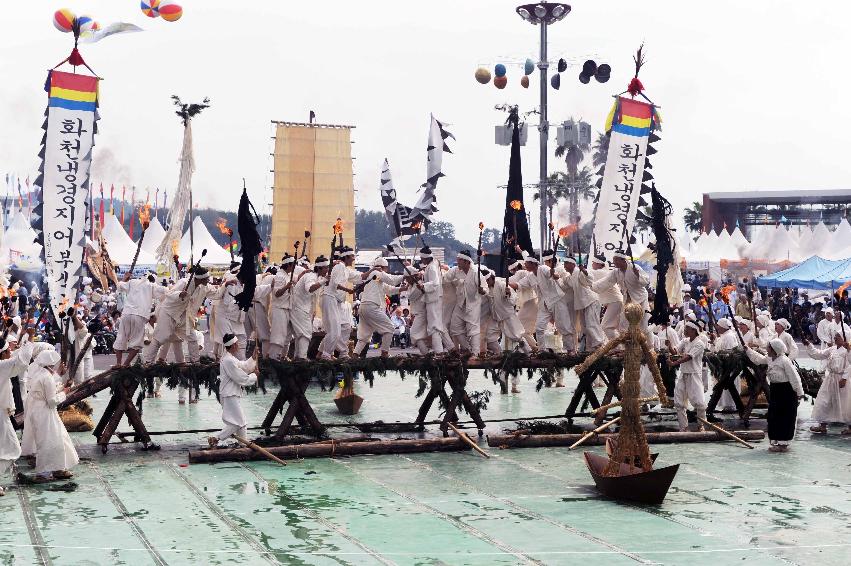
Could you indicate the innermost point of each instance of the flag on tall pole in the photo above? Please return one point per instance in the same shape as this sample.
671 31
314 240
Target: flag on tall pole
147 196
123 189
156 201
132 210
101 207
29 199
112 199
20 197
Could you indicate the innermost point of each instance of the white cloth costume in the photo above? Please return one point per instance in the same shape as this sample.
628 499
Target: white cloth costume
234 376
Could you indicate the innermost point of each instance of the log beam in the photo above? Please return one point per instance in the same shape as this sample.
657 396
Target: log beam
546 440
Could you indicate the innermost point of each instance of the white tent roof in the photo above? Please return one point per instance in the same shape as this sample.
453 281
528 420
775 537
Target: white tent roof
704 247
120 247
776 245
153 237
839 244
686 244
725 248
740 241
20 238
216 254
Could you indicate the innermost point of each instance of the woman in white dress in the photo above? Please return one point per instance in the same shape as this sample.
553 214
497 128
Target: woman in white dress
833 403
54 451
11 363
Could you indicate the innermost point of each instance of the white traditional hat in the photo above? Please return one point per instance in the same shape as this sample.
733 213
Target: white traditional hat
778 346
725 323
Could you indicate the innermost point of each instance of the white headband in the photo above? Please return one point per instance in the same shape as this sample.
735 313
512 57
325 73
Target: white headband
202 276
570 260
465 255
693 325
516 265
547 257
346 253
380 262
288 260
321 263
231 342
531 258
621 255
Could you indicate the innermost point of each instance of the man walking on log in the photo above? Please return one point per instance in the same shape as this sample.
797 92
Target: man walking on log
527 300
610 297
464 327
175 319
432 280
234 376
551 304
689 387
503 298
632 281
333 294
280 307
373 308
586 304
257 319
304 298
230 319
139 295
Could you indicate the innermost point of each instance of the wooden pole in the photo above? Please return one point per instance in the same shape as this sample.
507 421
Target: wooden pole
726 433
260 449
591 433
467 440
547 440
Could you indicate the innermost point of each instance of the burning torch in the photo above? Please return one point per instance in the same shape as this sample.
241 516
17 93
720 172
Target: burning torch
145 220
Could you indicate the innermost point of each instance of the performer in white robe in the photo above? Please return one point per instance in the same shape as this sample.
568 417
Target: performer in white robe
11 364
503 299
257 319
565 281
304 292
280 307
689 387
586 304
610 298
551 305
786 391
55 454
527 301
139 296
781 329
464 327
79 335
234 375
824 329
230 319
432 287
632 281
373 306
333 294
416 303
833 402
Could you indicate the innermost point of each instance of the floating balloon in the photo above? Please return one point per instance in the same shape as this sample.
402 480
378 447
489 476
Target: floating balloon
604 71
555 81
500 82
589 67
528 67
150 8
483 75
170 11
524 81
562 65
63 20
583 78
499 70
84 24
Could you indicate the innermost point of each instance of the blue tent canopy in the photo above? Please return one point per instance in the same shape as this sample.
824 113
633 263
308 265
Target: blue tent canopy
814 273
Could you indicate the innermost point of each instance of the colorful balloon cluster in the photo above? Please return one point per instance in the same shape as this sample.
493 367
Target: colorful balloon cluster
65 21
500 78
168 10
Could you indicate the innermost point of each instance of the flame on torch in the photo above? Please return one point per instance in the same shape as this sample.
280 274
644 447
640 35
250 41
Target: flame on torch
175 247
843 287
222 225
481 226
145 215
516 205
725 293
566 231
338 226
417 225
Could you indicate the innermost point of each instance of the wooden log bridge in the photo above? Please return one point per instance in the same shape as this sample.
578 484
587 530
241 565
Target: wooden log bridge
292 395
726 376
548 440
330 448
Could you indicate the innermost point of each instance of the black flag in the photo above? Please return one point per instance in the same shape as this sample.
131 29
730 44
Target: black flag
251 246
515 226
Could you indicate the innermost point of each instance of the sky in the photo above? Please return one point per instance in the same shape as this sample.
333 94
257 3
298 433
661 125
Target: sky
751 93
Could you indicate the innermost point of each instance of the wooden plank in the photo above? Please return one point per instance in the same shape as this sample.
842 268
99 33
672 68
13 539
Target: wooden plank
545 440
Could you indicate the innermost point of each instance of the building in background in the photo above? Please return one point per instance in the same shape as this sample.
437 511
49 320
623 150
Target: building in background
312 186
747 209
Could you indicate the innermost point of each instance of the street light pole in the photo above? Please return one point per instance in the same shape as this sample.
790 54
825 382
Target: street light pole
543 14
543 129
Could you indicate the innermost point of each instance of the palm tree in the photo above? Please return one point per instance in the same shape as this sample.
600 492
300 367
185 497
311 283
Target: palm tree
601 149
560 186
574 154
693 217
644 223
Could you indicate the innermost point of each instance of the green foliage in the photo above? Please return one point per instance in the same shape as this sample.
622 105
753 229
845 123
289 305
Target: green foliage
693 217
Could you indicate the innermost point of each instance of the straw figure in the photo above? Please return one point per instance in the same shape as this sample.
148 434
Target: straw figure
631 443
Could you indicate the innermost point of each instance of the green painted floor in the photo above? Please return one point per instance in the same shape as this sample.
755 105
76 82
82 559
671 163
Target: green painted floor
728 504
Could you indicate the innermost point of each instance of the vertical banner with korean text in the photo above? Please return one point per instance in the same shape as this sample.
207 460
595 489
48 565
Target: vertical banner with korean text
63 182
620 192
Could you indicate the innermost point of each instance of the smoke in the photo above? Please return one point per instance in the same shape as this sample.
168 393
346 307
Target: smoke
107 168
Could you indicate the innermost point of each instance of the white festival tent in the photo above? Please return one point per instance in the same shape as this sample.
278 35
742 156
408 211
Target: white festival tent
153 236
838 246
216 254
810 238
775 245
740 241
687 245
121 248
19 245
725 248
